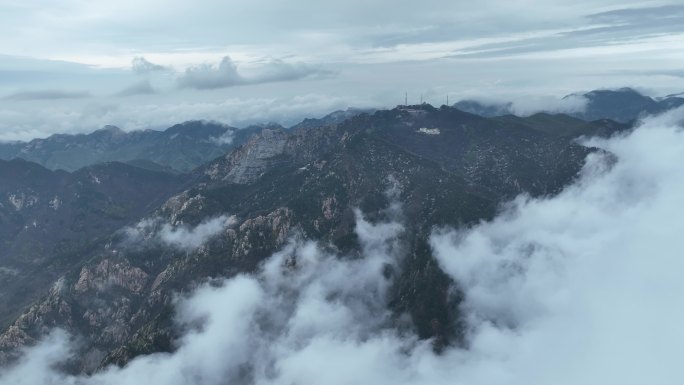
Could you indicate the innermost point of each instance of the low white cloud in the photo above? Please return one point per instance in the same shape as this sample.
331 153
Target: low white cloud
581 288
304 311
157 231
36 365
226 138
192 238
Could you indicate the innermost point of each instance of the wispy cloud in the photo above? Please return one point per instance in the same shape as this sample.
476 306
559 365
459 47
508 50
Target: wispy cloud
155 232
47 95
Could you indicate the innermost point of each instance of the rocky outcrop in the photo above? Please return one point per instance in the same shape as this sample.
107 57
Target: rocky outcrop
248 163
271 148
107 274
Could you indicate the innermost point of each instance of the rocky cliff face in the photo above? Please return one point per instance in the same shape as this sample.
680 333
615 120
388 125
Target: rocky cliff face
452 169
246 164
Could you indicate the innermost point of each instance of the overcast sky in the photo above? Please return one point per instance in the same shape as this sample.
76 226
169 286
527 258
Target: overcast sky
77 65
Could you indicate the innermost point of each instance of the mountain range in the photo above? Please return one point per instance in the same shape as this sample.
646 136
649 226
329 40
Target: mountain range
179 148
101 250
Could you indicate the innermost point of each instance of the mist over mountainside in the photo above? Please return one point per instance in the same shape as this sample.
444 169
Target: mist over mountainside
359 192
622 105
362 249
454 169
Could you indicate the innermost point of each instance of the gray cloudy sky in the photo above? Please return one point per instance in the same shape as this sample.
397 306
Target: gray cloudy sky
76 65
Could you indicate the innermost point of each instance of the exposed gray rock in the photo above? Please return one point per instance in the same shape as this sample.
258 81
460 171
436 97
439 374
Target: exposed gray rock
248 163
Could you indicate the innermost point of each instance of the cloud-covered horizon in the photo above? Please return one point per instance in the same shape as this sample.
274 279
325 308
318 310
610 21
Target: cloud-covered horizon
17 124
356 50
578 288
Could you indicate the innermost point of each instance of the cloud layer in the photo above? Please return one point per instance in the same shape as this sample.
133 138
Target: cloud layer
580 288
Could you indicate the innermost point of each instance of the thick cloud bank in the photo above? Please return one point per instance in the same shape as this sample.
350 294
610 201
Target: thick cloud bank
585 287
581 288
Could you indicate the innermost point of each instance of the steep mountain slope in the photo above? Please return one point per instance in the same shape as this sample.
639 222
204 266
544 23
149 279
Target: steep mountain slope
181 147
50 219
451 168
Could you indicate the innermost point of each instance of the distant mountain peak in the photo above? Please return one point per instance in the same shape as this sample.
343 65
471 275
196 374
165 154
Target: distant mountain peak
623 105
